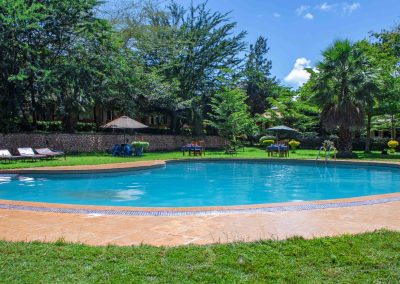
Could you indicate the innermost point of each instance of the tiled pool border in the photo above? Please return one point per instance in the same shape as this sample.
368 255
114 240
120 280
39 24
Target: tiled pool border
200 212
196 211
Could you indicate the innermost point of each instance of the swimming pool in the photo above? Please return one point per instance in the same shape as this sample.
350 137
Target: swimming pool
211 183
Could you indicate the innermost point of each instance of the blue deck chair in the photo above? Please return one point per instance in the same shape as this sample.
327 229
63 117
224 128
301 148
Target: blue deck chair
116 151
127 150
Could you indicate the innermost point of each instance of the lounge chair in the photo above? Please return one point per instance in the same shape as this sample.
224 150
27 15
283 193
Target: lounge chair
27 153
5 155
49 153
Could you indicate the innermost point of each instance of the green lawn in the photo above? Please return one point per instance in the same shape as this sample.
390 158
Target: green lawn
102 158
366 258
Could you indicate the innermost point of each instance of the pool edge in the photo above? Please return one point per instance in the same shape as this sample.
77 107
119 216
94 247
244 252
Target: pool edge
190 211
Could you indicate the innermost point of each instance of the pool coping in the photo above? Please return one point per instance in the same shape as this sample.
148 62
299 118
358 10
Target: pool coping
191 211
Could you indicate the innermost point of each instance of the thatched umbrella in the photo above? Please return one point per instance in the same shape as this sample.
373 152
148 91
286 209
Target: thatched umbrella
124 122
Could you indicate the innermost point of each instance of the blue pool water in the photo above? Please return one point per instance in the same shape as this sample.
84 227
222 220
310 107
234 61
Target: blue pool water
204 184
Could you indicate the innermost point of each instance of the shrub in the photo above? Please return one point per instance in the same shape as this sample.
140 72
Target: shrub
293 145
267 143
266 140
86 127
392 144
49 126
140 144
328 144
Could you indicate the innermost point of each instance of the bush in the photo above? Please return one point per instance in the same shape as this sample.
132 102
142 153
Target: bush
266 140
49 126
293 145
140 144
267 143
86 127
392 144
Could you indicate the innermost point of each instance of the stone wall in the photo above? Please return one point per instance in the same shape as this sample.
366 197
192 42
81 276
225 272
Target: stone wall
98 142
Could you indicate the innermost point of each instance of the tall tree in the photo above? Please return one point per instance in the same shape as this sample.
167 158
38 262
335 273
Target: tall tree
385 52
190 48
230 114
258 80
338 85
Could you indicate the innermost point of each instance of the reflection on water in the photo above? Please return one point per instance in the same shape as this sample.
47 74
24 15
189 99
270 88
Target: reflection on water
128 195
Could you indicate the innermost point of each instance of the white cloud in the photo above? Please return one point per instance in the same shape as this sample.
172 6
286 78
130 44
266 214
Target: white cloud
325 6
350 8
298 76
276 15
302 9
308 16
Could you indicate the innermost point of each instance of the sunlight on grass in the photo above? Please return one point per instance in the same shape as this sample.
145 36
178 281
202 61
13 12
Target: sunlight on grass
248 152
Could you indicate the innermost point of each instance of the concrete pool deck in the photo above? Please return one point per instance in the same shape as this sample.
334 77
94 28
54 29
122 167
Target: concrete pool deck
98 225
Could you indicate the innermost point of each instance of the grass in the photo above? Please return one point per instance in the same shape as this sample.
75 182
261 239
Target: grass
365 258
249 152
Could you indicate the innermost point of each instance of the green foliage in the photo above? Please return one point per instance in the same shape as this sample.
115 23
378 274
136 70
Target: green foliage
293 145
189 49
49 126
141 144
230 114
340 89
86 127
393 144
258 81
294 109
267 142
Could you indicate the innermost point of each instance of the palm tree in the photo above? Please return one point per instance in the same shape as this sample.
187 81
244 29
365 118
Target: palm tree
339 86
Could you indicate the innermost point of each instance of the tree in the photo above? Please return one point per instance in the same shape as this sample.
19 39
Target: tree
258 80
190 49
385 53
338 87
230 114
291 108
54 53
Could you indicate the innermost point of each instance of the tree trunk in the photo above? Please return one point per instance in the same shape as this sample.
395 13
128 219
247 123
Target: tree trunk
174 122
345 146
197 123
69 122
392 127
368 138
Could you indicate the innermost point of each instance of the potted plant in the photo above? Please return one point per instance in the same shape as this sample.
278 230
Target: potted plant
139 147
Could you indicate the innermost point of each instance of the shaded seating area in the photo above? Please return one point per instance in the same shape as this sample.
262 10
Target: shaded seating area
122 150
279 149
197 148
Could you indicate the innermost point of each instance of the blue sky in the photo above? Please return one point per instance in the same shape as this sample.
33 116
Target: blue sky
302 29
298 31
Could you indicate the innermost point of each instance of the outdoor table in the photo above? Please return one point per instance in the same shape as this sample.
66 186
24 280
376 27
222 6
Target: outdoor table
193 148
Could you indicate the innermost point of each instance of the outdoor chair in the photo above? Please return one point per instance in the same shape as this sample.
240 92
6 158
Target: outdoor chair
5 155
49 153
117 150
195 148
127 150
28 153
281 149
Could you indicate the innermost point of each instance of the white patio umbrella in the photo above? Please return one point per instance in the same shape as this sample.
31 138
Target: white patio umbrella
124 122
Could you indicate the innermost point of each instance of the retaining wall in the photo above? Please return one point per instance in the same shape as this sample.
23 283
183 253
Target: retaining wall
99 142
